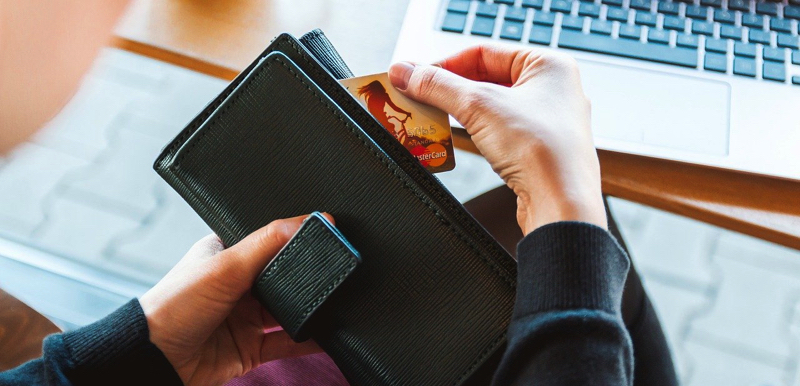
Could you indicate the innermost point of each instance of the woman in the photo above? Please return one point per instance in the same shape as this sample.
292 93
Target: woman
377 100
199 325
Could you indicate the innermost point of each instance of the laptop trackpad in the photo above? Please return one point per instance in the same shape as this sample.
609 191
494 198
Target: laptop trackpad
658 108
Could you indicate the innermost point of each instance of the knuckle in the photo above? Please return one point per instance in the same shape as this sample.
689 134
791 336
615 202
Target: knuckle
208 245
428 82
274 233
474 102
559 61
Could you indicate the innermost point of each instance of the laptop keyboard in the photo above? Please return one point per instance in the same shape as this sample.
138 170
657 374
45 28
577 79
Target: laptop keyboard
738 37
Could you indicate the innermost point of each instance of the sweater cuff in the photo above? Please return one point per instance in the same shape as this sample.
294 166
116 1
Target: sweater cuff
569 265
117 349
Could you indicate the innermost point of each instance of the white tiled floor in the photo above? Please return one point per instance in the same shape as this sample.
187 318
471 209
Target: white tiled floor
85 190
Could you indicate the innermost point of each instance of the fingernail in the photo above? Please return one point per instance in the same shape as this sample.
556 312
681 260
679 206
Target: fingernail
400 73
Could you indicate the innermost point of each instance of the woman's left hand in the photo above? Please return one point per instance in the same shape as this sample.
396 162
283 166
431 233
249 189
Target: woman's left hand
203 317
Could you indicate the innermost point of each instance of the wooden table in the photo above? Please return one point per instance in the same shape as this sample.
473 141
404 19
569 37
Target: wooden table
221 38
22 330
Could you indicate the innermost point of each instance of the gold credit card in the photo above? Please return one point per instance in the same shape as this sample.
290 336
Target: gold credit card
424 130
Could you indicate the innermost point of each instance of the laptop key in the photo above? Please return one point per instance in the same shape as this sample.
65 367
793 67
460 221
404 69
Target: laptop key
572 22
715 62
668 8
780 25
744 49
589 9
617 14
508 2
483 26
791 12
564 6
788 41
716 45
758 36
511 30
730 32
686 40
795 57
774 54
540 35
516 13
538 4
628 48
774 71
645 18
739 5
766 8
753 21
724 16
602 27
695 12
796 79
711 3
702 28
641 5
454 22
629 31
614 3
487 9
674 23
544 18
658 36
744 66
460 6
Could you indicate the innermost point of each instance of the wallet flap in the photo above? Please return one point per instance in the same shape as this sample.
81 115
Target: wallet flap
303 275
431 300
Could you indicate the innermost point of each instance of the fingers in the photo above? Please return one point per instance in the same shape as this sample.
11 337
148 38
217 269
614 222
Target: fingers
245 260
489 63
435 86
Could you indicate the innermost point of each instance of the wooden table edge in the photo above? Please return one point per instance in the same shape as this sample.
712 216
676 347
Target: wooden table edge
173 57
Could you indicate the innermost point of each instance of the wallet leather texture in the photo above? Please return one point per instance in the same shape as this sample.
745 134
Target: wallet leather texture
431 300
304 274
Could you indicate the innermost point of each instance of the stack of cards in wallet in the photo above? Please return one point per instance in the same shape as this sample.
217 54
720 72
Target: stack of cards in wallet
424 130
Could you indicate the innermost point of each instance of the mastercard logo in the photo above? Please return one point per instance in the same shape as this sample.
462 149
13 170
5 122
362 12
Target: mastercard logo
431 155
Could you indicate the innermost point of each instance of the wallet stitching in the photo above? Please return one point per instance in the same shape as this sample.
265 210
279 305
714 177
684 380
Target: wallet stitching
236 82
381 157
405 183
327 291
442 197
378 155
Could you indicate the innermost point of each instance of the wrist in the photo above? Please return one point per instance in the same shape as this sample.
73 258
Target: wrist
536 208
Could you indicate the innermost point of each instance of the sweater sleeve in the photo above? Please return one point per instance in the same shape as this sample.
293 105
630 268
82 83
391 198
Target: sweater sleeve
567 327
115 350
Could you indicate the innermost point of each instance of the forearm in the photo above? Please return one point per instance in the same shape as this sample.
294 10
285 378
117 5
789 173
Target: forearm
114 350
567 327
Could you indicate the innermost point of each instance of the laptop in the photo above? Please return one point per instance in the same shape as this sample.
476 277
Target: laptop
710 82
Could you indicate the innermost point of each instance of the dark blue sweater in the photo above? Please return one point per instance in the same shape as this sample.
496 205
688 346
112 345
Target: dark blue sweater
567 327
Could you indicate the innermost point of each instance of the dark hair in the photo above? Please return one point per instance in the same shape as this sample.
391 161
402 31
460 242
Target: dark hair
373 88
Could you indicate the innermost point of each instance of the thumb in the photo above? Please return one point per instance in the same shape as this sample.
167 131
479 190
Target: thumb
248 257
437 87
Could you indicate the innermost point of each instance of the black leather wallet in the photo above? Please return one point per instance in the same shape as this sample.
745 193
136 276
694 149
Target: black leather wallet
431 298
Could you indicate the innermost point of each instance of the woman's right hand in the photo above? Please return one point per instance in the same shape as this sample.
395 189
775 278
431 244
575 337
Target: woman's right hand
535 133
